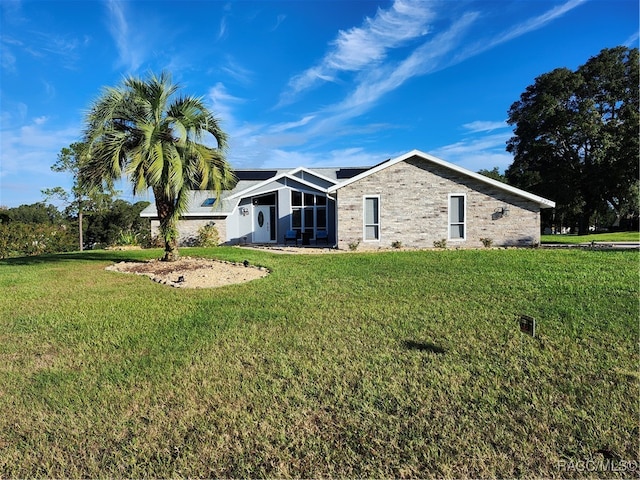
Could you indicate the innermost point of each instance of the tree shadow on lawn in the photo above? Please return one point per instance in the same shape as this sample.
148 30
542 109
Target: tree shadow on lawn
100 256
422 346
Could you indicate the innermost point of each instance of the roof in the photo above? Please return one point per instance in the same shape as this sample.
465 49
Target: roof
542 202
250 180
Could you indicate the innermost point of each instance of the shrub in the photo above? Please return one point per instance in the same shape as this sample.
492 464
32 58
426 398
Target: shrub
353 246
20 239
127 238
396 244
208 236
487 242
440 243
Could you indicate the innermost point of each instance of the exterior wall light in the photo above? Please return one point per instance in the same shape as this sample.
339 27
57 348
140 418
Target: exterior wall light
244 211
501 212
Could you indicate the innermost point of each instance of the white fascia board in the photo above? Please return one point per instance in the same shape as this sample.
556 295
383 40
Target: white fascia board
247 191
543 202
210 213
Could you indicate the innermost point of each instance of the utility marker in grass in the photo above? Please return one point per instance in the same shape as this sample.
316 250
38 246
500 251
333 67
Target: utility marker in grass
528 325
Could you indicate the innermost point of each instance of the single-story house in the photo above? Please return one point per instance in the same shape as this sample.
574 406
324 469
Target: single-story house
414 200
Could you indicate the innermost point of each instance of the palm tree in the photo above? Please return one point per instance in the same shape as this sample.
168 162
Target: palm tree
144 130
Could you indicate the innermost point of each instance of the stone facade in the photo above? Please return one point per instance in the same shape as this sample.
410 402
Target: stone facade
188 229
414 209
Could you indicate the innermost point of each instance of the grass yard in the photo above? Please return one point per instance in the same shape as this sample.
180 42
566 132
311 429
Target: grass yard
395 364
594 237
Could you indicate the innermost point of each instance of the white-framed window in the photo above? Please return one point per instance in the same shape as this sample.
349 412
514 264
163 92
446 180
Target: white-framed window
308 212
371 217
457 216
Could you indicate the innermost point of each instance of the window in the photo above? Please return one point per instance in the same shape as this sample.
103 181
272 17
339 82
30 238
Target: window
372 218
457 225
208 202
308 212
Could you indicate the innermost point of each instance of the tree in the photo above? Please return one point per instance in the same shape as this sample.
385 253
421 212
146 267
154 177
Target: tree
83 197
144 130
121 219
576 136
35 213
493 173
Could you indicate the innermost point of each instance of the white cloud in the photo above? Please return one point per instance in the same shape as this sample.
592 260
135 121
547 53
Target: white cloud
478 152
518 30
484 126
237 71
632 41
281 18
130 47
28 151
363 47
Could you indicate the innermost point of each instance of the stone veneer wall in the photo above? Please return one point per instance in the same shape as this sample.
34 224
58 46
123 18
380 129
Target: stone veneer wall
188 229
413 209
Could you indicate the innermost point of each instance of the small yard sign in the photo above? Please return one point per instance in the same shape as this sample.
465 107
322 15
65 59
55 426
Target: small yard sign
528 325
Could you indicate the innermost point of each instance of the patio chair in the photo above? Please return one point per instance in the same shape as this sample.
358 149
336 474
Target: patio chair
322 236
291 236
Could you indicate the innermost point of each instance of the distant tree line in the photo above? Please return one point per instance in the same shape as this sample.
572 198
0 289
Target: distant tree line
42 228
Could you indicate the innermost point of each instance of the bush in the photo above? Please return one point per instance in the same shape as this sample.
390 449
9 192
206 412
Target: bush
440 243
353 246
396 244
487 242
127 238
18 239
208 236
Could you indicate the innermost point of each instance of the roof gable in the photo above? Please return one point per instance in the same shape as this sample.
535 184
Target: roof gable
300 175
543 202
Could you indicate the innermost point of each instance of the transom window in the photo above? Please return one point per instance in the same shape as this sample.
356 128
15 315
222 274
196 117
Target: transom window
371 218
457 217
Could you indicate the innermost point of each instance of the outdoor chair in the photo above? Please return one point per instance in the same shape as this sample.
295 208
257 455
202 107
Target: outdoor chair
291 236
322 236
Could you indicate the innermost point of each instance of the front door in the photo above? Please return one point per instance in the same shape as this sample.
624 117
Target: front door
262 223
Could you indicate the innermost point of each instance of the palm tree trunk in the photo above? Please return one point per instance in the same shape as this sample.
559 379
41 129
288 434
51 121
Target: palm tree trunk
168 230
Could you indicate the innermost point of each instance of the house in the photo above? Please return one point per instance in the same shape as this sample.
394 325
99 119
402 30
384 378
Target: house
415 200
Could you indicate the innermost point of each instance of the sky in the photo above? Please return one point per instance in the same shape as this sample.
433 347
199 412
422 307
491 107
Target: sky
314 83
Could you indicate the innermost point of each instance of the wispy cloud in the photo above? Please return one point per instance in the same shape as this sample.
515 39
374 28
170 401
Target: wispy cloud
131 50
236 71
484 126
364 53
27 154
63 50
632 41
475 153
360 48
518 30
280 18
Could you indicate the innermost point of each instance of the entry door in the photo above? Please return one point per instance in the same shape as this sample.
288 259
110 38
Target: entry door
262 223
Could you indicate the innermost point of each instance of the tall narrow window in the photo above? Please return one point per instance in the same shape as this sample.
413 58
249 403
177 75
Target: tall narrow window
372 218
457 225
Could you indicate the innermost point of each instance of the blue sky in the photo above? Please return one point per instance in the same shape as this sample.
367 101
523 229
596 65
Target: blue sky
295 83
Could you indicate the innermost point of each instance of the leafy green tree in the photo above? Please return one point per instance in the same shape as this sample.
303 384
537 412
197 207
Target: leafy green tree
144 130
493 173
121 218
82 197
576 136
37 212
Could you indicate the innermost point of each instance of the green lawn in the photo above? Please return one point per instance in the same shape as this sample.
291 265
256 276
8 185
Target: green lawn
595 237
395 364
